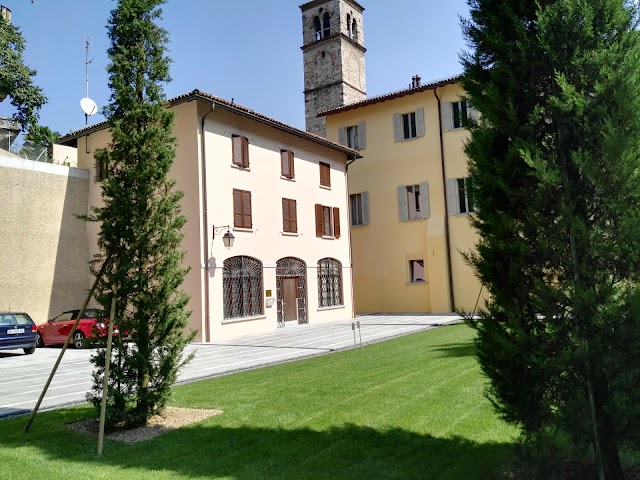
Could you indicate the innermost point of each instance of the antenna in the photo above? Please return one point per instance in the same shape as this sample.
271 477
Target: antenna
88 106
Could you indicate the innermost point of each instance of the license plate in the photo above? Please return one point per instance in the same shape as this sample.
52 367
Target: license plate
15 331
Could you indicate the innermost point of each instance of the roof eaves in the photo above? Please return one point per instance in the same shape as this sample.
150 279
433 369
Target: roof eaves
392 95
233 107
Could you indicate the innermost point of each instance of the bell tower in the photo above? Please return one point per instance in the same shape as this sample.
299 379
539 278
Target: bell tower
333 52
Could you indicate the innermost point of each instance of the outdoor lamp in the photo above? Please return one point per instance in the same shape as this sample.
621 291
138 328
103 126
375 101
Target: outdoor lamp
227 238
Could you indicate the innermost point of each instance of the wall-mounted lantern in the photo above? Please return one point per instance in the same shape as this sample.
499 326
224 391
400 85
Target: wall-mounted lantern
227 238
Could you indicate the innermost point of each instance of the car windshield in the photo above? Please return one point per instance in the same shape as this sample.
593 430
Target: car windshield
92 313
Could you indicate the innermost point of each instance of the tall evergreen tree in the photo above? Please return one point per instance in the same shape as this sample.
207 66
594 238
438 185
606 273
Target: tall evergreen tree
140 221
555 169
16 78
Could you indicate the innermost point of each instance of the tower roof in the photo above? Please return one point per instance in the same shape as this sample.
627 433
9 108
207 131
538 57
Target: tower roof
315 3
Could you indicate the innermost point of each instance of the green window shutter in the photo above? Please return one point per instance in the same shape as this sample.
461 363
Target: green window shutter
446 116
365 208
402 203
420 122
397 127
362 136
342 136
452 196
424 199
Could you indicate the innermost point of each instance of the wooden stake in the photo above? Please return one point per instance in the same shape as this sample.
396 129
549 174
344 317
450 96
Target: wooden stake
105 380
107 261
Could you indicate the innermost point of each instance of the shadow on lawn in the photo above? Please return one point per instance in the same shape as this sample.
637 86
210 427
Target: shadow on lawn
244 453
467 349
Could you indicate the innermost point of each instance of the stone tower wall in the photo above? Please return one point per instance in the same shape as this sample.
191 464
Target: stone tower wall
333 65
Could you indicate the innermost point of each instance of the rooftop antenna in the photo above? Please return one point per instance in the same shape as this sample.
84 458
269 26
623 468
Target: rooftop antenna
88 106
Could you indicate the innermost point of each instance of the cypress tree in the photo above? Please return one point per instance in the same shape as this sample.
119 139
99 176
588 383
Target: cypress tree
140 221
555 169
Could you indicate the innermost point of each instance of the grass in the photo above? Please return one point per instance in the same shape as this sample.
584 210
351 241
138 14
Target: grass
408 408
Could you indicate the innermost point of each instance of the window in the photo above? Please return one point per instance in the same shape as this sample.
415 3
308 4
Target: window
242 287
456 115
459 114
242 209
353 137
329 283
240 151
459 196
327 221
354 30
102 171
289 216
317 28
348 25
359 203
286 164
413 202
325 174
326 28
408 125
416 271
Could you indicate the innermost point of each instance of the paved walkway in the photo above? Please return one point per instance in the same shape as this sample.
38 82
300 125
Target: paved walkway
22 377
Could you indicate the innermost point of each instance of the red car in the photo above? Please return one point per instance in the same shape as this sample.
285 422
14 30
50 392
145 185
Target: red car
56 330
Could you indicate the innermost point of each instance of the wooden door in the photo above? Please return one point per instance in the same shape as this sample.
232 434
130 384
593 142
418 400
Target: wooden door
289 298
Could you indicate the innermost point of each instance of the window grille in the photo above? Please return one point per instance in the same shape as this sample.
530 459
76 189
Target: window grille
242 285
292 267
329 282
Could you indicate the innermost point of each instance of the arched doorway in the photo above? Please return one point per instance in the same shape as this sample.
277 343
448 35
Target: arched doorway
291 285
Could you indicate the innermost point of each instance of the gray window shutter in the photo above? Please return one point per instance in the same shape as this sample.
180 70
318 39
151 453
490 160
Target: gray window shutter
365 208
446 116
452 196
397 127
424 199
362 136
342 136
420 122
402 203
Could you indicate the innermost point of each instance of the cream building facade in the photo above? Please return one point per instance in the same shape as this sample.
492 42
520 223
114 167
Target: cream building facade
281 192
409 199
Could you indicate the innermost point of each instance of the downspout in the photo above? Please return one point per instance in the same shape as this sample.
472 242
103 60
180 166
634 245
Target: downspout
346 173
447 235
205 228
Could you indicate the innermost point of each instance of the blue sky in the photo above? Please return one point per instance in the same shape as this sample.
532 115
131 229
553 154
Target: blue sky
248 50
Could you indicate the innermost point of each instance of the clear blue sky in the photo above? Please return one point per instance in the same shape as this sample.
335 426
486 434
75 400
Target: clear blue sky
248 50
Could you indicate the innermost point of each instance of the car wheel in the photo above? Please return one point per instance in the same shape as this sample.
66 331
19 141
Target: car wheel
78 339
29 351
40 342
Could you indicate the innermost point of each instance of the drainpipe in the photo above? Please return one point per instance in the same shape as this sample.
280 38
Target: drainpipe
447 235
346 173
205 228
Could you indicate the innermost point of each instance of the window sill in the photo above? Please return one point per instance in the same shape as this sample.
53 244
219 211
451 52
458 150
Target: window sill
290 234
417 283
327 237
325 187
407 139
239 167
242 229
287 178
360 225
413 219
243 319
332 307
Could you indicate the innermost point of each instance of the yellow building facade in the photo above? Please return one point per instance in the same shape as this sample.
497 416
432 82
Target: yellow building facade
409 205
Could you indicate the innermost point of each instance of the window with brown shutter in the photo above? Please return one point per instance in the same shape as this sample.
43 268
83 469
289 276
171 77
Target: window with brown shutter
242 209
240 151
319 229
336 222
325 174
327 221
289 216
286 161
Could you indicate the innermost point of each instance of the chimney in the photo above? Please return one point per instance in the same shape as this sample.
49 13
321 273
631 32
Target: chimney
417 77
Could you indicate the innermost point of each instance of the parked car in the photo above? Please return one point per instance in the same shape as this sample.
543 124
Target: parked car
17 330
92 326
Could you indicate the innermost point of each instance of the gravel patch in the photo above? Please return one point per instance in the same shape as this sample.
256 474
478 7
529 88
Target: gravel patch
171 419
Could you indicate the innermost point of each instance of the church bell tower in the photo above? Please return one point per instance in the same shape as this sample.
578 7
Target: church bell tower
333 52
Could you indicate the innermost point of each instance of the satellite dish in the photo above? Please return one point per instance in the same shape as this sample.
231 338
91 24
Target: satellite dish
88 106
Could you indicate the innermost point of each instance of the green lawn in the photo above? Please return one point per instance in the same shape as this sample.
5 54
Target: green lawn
408 408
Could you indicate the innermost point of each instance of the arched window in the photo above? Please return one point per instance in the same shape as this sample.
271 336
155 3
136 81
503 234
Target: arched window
354 30
326 28
329 282
317 27
348 25
242 287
